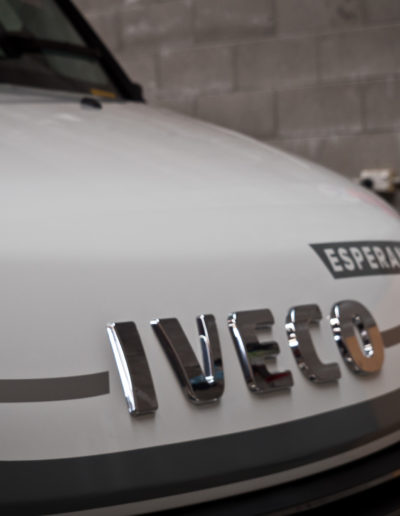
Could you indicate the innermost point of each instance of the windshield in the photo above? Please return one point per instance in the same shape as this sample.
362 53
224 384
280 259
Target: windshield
40 47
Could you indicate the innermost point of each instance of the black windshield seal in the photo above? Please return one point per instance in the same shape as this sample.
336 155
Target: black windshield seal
15 45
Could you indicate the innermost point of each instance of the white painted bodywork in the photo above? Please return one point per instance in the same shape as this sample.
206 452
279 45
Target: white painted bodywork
132 213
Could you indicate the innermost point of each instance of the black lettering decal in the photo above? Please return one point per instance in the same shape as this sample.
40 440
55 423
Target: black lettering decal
358 257
392 258
348 262
379 253
370 257
363 258
334 260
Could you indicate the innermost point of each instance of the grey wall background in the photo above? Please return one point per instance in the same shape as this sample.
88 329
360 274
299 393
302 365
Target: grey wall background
320 78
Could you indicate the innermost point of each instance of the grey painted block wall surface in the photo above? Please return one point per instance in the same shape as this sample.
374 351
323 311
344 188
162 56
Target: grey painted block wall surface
320 78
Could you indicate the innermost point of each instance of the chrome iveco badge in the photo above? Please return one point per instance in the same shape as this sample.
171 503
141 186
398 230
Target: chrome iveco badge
353 327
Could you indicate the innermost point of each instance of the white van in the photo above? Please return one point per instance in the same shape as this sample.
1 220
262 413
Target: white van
189 318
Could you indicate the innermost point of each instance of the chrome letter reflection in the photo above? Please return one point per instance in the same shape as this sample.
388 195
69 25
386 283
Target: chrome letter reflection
252 353
357 336
199 386
133 368
297 326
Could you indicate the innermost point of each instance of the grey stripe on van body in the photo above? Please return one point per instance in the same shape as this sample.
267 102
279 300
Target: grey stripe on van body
54 389
48 486
391 336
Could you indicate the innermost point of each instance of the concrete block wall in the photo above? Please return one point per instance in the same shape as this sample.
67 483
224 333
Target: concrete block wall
320 78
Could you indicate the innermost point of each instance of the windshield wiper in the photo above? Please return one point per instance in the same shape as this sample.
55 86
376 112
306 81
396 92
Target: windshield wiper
15 45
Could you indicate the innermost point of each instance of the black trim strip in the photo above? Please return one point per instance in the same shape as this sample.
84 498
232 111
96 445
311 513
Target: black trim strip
391 336
369 485
49 486
351 259
54 389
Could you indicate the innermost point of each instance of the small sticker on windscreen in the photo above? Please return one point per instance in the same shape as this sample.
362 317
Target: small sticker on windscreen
103 93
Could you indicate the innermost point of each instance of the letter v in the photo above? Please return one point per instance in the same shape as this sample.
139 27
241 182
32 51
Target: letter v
200 386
